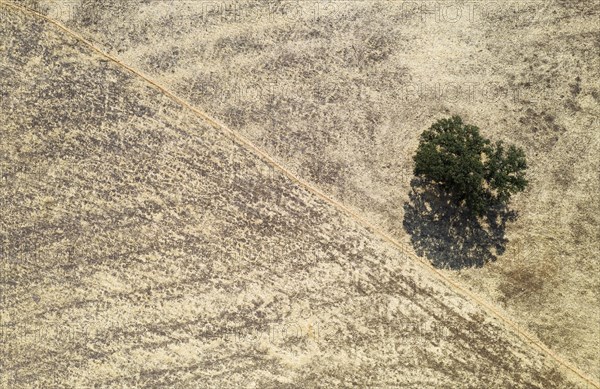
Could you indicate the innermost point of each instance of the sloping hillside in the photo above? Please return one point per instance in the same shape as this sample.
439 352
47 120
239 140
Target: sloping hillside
142 247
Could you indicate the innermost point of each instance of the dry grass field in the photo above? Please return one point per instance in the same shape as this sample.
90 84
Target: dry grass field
143 247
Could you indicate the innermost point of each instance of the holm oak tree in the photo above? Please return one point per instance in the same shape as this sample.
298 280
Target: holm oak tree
471 169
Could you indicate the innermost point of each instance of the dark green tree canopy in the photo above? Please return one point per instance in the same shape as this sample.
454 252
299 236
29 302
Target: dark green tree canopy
469 167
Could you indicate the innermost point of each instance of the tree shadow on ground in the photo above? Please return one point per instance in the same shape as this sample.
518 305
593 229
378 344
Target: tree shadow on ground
449 235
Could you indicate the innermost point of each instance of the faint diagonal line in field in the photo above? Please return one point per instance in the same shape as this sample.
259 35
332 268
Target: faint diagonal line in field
528 338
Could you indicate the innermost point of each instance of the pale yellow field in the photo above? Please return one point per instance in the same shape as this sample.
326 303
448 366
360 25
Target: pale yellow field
158 252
